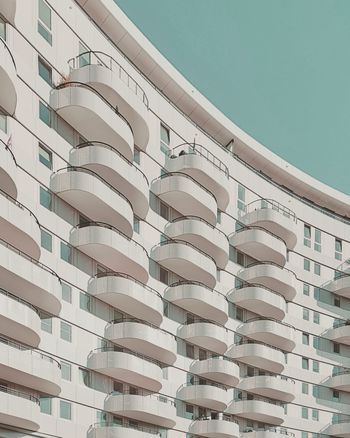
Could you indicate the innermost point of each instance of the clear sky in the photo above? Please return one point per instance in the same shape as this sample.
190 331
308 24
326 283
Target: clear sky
279 69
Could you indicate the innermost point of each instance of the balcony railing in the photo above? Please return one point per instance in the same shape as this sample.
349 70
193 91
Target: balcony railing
257 398
270 263
7 149
253 227
3 42
19 300
274 205
337 372
263 318
147 429
127 351
169 241
279 430
19 205
21 394
197 382
261 286
196 283
142 393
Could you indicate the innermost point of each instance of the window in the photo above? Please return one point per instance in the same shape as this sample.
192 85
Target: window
317 293
66 252
336 348
45 405
44 22
66 331
46 240
136 225
2 29
66 371
316 391
163 275
305 388
45 198
85 302
65 410
316 318
45 156
3 122
137 156
315 415
307 265
306 314
85 55
164 139
316 342
317 269
189 412
45 71
317 244
338 246
336 301
190 351
304 413
305 339
66 293
164 211
241 198
304 435
307 235
306 289
240 258
315 366
46 325
44 113
305 363
85 377
336 395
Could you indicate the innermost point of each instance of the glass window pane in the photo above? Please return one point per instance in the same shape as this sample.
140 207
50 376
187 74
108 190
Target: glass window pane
164 135
46 325
45 33
45 198
2 29
65 410
44 113
66 252
66 331
46 240
66 371
45 14
85 55
45 156
45 71
66 293
3 122
45 405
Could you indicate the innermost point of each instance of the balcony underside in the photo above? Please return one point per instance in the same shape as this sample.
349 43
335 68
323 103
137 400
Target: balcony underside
206 335
210 397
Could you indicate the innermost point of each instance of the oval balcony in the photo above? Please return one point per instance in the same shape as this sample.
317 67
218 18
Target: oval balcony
128 295
8 170
86 191
199 163
19 319
260 244
8 78
208 395
202 235
257 409
210 336
274 387
272 276
144 339
210 428
153 409
110 247
340 332
19 409
128 367
109 78
114 168
198 299
258 355
340 285
340 379
339 428
29 279
93 116
186 196
274 217
112 430
29 368
259 299
217 369
275 333
186 261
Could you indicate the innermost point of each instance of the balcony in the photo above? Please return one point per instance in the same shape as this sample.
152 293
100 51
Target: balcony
341 285
258 355
339 428
185 260
89 193
8 170
274 217
153 409
206 335
340 380
128 295
110 247
116 170
29 368
275 387
196 161
340 332
19 409
218 428
29 279
259 299
271 276
8 76
186 195
208 395
216 369
275 333
144 339
19 319
198 299
257 409
268 432
202 235
87 111
105 74
128 367
113 430
260 244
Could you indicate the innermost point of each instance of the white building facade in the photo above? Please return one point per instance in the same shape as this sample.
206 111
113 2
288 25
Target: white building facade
161 272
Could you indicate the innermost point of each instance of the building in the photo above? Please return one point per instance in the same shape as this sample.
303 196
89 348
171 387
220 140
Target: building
161 273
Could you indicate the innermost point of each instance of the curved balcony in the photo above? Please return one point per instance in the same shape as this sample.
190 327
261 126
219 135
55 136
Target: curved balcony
29 279
274 387
29 368
206 335
268 432
271 276
341 285
128 295
186 195
8 78
340 428
202 235
259 299
274 217
260 244
340 380
208 395
86 191
217 369
93 116
111 248
114 168
128 367
110 430
209 428
258 355
340 333
275 333
198 299
257 409
8 170
19 409
148 408
19 319
106 75
185 260
196 161
143 338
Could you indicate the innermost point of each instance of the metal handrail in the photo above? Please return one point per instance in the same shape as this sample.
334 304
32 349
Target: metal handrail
343 323
18 204
271 203
110 64
199 219
146 429
258 398
206 383
135 320
273 429
263 318
169 241
143 393
224 418
340 420
127 351
275 376
247 284
9 150
253 341
269 263
4 43
340 372
195 283
19 300
255 227
19 394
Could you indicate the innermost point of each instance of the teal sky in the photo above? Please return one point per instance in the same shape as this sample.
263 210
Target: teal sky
279 69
